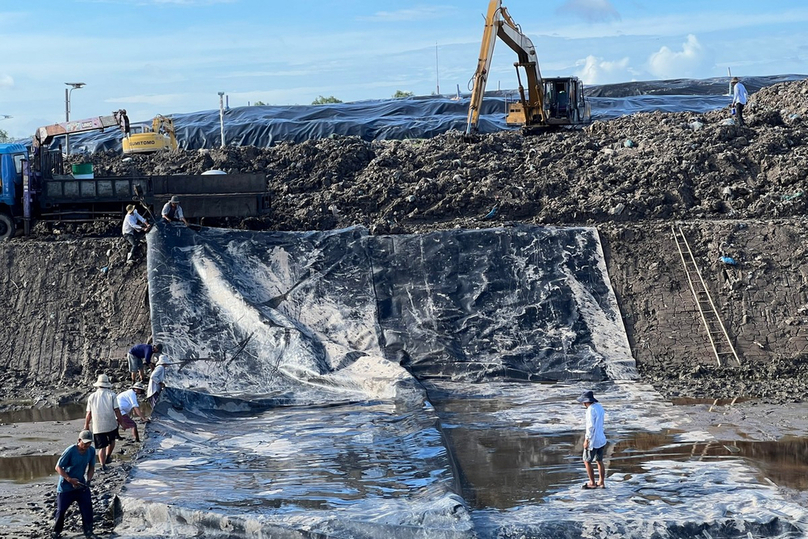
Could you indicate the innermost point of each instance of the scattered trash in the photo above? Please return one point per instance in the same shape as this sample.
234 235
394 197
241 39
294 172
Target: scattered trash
729 261
792 196
105 269
628 143
491 214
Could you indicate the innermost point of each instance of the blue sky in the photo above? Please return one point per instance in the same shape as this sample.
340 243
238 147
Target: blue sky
173 56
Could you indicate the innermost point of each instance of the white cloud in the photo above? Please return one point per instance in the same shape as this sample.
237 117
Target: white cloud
668 64
590 10
599 71
6 81
422 13
157 99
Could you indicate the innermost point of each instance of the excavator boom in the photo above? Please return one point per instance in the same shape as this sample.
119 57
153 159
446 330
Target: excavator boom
543 102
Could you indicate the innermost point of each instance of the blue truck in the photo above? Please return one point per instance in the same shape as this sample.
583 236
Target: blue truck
35 187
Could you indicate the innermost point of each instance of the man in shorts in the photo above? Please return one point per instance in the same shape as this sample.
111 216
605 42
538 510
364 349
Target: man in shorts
105 415
594 439
127 402
139 356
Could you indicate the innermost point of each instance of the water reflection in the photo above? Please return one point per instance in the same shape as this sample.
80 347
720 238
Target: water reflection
28 468
523 446
67 412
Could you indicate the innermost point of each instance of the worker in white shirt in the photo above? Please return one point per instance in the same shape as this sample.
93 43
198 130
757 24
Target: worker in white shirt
133 228
739 98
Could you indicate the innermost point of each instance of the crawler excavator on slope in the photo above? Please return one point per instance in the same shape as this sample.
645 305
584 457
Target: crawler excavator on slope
545 102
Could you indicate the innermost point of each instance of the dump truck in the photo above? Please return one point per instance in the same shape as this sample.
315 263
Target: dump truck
545 102
36 187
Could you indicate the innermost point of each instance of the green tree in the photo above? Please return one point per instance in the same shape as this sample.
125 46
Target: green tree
4 136
323 100
401 93
259 103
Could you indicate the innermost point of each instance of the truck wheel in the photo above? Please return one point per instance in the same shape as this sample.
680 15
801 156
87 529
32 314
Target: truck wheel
7 227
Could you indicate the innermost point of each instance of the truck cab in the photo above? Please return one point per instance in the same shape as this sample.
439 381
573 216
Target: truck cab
12 156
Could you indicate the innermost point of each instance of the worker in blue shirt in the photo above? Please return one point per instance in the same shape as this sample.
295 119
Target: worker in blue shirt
76 467
139 356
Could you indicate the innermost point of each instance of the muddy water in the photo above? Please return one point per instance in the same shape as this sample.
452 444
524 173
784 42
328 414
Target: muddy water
517 451
66 412
28 468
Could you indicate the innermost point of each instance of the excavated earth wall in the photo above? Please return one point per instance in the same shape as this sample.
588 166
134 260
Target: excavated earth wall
72 305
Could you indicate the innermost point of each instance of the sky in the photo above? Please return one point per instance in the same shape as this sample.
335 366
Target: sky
173 56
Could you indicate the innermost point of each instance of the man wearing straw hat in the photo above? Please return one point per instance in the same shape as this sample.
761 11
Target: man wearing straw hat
127 400
172 212
133 228
105 414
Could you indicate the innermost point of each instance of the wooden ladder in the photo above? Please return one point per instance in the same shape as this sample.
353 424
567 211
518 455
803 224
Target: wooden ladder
716 332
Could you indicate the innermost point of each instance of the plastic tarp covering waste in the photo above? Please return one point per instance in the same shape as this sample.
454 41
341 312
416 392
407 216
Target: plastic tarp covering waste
416 117
342 385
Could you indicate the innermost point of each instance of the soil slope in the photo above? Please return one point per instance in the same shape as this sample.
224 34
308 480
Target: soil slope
72 306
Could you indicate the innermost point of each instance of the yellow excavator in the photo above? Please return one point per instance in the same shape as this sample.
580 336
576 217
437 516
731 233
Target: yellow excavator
545 102
160 137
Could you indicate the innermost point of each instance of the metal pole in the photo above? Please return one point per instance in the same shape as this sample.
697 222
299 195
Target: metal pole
68 92
67 119
221 115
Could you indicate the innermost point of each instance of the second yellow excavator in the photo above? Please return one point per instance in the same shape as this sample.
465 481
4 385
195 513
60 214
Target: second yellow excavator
545 102
142 139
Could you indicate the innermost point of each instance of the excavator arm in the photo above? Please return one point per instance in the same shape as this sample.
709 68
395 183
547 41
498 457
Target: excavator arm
542 102
498 23
483 65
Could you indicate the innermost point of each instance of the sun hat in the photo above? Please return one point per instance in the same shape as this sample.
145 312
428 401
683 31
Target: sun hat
86 436
139 385
587 396
130 207
174 200
103 381
736 79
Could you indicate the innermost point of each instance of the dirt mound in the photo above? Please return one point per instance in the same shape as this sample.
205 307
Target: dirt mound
643 166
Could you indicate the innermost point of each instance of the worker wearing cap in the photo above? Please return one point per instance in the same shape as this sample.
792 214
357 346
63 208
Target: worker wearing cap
739 98
133 228
76 467
172 212
594 439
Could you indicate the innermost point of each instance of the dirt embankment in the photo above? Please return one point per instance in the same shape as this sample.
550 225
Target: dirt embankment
72 306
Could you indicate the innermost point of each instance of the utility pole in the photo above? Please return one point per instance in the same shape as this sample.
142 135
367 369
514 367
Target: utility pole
221 115
68 91
437 72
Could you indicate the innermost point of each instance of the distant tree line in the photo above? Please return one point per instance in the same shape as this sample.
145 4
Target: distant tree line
322 100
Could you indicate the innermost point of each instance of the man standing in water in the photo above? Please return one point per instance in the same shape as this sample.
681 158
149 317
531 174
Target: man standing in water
75 468
594 439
